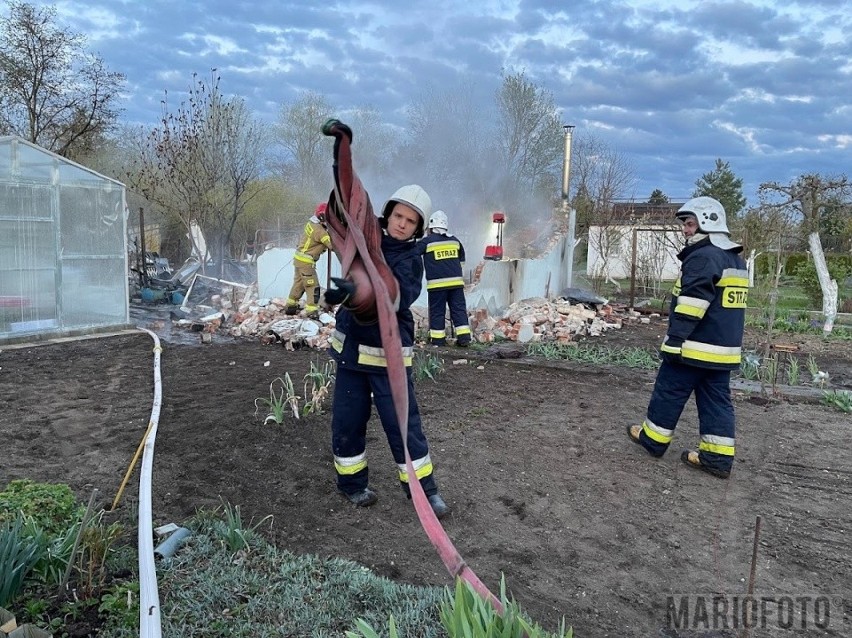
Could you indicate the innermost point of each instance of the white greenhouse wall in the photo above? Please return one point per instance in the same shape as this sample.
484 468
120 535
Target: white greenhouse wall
63 251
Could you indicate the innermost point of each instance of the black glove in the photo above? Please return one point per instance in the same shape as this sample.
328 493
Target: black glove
345 290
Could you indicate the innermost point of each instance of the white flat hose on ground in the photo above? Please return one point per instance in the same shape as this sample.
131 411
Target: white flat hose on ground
149 596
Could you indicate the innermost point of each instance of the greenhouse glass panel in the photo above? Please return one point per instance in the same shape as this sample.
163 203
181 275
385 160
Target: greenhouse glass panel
34 163
28 201
92 221
27 276
93 291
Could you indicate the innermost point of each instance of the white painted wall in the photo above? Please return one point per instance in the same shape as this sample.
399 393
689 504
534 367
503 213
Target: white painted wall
659 246
502 283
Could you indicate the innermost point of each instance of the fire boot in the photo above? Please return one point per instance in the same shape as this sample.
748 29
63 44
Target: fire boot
362 498
440 508
292 310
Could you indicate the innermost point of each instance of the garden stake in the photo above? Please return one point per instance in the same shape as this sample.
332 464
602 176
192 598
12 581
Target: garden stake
132 466
753 571
83 524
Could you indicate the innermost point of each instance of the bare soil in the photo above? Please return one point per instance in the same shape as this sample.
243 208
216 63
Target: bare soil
545 487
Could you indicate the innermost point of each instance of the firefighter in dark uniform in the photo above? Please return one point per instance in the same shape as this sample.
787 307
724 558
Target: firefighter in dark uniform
702 344
313 243
443 259
362 377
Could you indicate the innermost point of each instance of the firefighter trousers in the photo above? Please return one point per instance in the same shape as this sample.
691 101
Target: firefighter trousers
351 411
439 299
716 424
304 281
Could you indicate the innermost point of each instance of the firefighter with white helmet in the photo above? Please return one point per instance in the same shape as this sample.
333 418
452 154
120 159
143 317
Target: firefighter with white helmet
362 376
314 242
443 260
703 342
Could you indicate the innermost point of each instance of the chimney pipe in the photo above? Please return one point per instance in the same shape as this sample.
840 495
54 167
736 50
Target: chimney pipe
566 164
567 210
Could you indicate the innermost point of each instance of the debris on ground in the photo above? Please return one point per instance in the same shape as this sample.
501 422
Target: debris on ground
236 311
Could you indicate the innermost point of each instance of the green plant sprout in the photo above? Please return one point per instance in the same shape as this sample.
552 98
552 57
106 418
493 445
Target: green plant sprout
317 383
281 395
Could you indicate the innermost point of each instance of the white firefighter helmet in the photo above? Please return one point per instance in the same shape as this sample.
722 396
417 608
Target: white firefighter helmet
710 215
414 196
438 220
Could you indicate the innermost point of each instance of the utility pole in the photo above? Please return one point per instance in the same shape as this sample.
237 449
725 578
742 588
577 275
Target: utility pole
567 210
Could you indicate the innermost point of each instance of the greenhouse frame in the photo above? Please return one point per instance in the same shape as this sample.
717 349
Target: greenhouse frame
63 246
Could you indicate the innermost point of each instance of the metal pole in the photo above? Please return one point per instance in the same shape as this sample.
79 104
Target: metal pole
633 269
144 272
567 209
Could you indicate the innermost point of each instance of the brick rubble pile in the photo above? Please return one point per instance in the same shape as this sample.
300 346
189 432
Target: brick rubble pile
533 319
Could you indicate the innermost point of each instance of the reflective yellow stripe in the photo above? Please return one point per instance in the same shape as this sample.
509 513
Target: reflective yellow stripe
351 464
690 311
445 282
372 356
715 448
691 306
710 353
734 277
304 258
422 468
381 362
657 433
438 334
444 250
462 330
336 341
676 288
669 349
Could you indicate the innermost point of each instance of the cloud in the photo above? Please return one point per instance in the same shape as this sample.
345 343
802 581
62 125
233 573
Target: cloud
673 84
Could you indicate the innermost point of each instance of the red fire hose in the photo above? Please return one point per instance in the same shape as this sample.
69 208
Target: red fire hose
356 240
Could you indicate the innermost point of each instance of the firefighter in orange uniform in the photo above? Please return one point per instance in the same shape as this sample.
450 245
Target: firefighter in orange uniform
314 242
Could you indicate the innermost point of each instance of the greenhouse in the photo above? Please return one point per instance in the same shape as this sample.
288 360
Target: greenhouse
63 256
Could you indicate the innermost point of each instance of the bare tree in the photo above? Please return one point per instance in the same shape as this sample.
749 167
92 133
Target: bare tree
307 150
601 176
53 92
530 134
809 197
197 164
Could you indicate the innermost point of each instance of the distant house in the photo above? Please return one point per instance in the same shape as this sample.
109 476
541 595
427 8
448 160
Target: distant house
639 238
63 248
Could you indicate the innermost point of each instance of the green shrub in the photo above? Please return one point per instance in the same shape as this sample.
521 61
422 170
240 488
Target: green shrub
807 277
52 506
794 261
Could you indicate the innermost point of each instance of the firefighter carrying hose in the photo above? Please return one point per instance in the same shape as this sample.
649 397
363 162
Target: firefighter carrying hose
362 366
703 342
443 259
313 243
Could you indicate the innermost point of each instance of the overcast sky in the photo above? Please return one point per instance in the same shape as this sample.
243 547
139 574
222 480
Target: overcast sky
672 85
